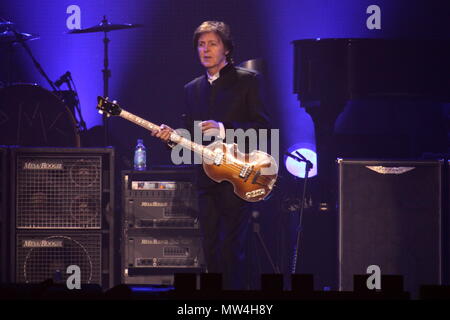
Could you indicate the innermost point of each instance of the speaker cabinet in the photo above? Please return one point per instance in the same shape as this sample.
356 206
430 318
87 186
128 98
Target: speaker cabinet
4 230
46 255
58 191
390 215
62 214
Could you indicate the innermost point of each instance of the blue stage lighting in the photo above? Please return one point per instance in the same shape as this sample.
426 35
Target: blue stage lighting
150 288
298 168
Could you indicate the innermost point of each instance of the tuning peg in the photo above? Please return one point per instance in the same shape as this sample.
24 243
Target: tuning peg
100 111
114 101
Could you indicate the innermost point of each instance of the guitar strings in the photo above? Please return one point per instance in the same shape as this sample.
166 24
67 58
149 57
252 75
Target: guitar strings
235 167
232 166
238 168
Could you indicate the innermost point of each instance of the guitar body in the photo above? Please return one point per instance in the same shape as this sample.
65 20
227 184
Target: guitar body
252 175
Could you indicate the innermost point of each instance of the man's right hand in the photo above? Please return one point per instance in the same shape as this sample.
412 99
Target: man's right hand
163 133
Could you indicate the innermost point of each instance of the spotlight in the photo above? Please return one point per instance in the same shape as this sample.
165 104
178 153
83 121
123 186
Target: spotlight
298 168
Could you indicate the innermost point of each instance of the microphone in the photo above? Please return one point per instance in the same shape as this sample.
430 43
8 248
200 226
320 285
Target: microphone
293 157
62 79
299 158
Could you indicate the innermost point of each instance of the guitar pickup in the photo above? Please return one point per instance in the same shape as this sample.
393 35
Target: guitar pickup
245 171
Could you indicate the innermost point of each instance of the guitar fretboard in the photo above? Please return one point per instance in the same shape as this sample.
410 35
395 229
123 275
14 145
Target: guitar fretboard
186 143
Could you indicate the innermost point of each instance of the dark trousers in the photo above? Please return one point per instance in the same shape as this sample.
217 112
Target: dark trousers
224 222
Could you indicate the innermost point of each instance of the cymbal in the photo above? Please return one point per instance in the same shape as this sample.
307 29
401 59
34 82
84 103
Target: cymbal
8 37
105 27
5 25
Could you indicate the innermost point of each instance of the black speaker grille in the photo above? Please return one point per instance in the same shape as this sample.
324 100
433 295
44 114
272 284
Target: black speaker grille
2 183
3 222
42 257
58 192
390 216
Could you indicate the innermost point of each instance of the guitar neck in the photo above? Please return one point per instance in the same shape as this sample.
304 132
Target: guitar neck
174 137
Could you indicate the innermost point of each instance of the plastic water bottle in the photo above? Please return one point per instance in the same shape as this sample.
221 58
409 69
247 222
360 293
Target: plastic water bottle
140 156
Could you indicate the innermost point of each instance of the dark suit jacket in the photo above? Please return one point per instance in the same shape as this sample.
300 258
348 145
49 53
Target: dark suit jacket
235 99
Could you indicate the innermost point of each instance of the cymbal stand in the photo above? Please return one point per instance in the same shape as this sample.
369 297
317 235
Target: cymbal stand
9 49
106 75
35 62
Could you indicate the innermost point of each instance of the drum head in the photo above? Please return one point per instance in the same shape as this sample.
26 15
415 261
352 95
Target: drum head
32 116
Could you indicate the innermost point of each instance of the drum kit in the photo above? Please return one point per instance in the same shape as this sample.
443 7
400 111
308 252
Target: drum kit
33 116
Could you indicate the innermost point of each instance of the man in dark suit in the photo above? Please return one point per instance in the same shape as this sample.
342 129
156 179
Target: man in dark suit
225 97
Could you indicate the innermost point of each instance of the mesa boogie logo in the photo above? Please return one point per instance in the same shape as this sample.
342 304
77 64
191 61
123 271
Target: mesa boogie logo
154 204
42 244
154 241
43 166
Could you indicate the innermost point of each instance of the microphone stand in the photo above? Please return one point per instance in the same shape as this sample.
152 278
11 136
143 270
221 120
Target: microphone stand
300 158
71 98
35 62
82 124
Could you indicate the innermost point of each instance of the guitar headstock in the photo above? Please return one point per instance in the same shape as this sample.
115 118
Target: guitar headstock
108 108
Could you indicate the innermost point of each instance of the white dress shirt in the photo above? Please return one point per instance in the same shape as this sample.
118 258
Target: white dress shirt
214 132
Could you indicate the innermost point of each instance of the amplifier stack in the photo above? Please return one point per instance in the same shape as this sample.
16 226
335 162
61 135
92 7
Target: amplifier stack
161 234
62 205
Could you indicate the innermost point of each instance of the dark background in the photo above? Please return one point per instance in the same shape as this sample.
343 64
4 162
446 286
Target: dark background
151 64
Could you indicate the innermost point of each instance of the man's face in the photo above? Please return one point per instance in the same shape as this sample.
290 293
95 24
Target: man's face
211 52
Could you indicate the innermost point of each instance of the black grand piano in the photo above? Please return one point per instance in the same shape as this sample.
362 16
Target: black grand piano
330 72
